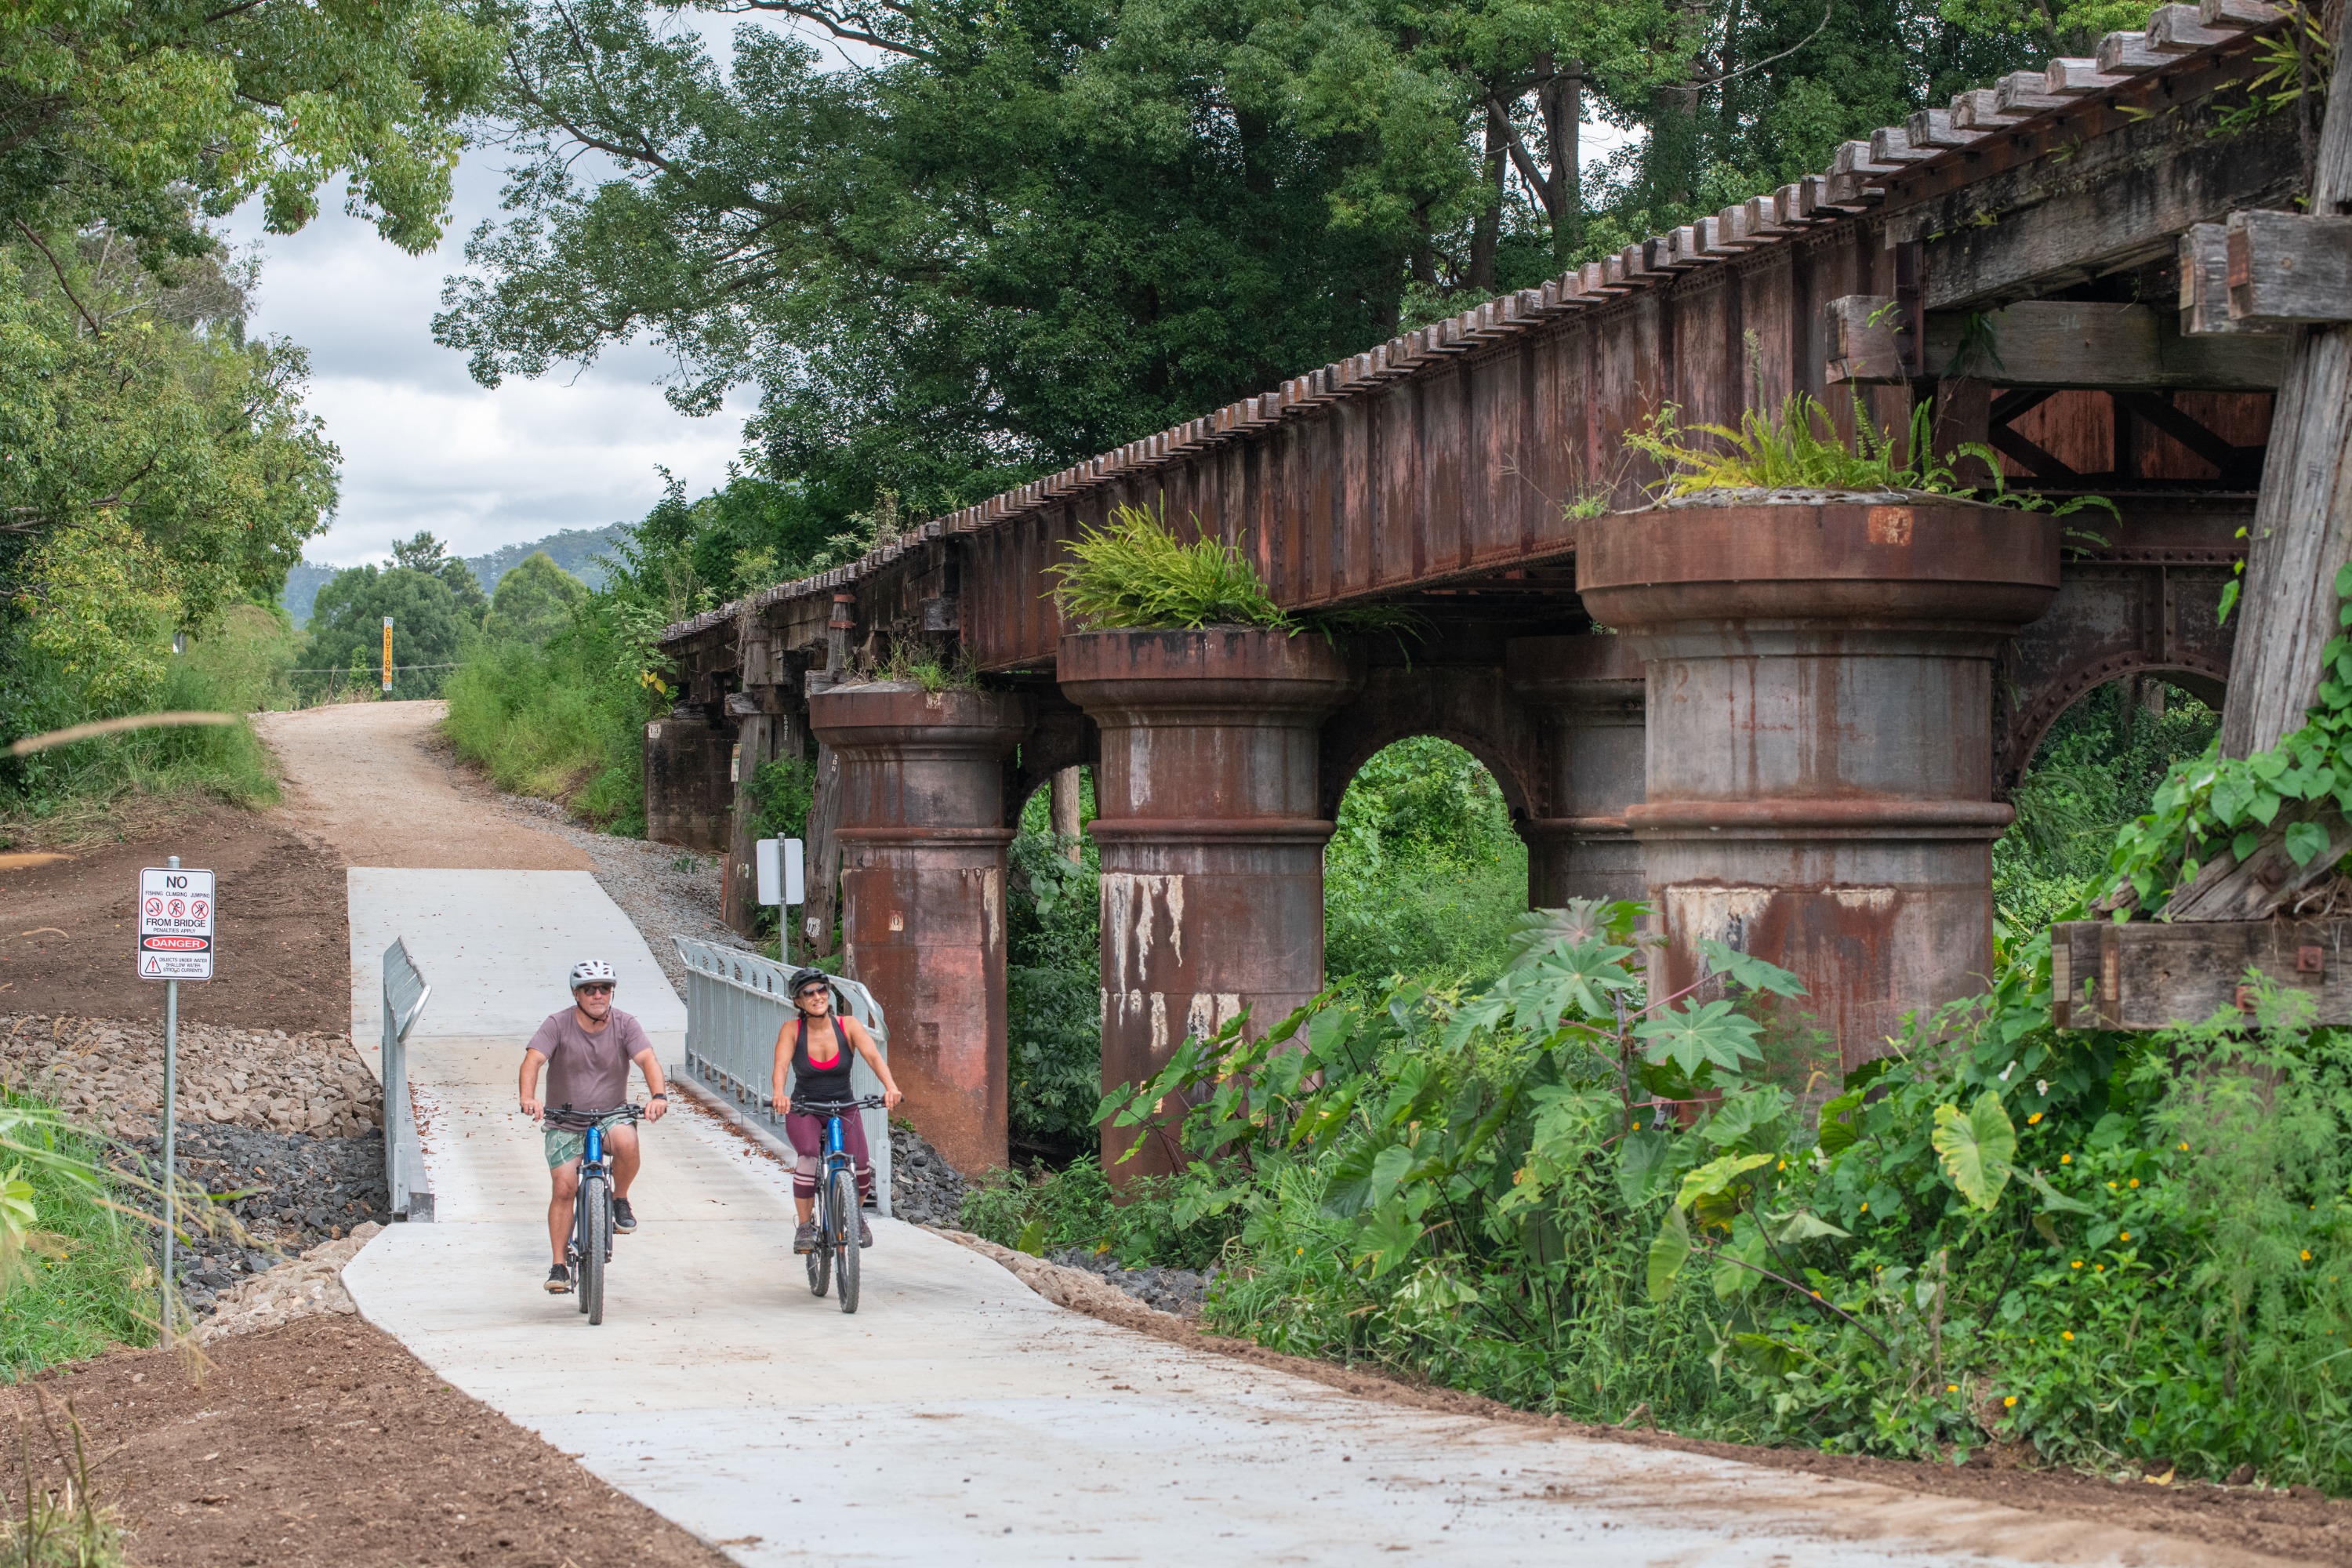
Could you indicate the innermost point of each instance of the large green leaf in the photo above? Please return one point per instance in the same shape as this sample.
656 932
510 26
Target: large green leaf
1741 1116
1713 1178
1387 1238
1693 1037
1668 1252
1347 1191
1640 1161
1977 1147
1389 1167
1749 973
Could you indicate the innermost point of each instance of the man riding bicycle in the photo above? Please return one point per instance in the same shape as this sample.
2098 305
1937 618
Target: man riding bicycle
820 1060
586 1049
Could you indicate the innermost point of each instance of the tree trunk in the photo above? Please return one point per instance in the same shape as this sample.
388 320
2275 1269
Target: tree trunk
1486 237
1563 102
2301 533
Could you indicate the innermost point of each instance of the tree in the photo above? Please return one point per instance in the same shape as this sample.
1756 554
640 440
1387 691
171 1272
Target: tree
347 628
155 466
1038 228
423 552
534 600
145 116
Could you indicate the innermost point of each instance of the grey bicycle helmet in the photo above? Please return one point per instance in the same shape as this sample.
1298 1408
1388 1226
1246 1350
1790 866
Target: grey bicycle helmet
801 977
591 969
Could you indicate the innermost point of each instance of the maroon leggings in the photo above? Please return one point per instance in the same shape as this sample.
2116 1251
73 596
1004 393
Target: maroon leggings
807 1135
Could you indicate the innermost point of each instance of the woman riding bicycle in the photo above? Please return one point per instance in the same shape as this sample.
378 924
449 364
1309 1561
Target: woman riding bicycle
820 1061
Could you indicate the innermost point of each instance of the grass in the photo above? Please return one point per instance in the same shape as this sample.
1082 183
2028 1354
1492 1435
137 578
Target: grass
78 794
541 722
82 1283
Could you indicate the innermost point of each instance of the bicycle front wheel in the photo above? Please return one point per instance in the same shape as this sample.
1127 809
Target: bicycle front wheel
820 1257
844 1234
595 1234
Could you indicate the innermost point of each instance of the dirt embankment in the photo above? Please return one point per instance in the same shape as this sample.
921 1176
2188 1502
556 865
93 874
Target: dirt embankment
324 1442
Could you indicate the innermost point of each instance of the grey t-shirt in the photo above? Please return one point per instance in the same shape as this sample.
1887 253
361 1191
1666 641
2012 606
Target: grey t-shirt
588 1072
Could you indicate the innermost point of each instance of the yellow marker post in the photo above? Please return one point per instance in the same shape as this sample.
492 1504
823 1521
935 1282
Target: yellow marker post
387 653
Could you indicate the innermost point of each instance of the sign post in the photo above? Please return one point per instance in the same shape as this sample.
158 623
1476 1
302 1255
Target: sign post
387 653
781 868
176 943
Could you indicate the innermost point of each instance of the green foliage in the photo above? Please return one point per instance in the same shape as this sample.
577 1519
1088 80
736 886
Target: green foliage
781 791
1052 981
2098 768
238 665
2217 806
423 552
1134 574
347 631
563 720
1800 447
2124 1250
146 118
1047 1211
1424 875
73 1278
535 599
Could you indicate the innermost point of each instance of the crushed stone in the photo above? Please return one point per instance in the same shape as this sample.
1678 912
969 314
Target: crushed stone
1178 1290
109 1074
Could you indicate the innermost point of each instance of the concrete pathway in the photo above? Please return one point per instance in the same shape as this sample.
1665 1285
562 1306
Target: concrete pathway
957 1417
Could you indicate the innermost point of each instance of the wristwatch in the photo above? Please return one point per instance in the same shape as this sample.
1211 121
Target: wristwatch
663 1096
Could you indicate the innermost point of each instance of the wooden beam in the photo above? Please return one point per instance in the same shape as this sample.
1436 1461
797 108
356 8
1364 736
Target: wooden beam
2158 974
2302 533
2056 344
2123 199
2204 262
1866 340
2289 268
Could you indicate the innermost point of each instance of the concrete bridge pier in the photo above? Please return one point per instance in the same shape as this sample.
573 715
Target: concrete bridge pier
1212 849
1820 738
922 836
1586 695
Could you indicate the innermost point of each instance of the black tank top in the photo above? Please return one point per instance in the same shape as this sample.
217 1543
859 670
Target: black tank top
827 1085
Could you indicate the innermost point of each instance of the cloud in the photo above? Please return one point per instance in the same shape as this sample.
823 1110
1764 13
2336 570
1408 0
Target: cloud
422 446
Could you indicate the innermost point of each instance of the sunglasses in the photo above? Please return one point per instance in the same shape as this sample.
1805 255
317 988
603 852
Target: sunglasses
597 990
805 992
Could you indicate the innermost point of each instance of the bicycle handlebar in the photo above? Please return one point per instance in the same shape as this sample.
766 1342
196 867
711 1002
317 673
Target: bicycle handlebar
583 1119
829 1108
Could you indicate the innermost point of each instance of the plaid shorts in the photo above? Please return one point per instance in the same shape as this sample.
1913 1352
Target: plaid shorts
565 1144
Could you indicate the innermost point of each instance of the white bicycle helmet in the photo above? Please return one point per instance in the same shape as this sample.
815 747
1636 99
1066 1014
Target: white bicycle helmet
589 969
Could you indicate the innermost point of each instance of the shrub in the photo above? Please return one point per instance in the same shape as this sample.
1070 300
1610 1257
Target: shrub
1133 573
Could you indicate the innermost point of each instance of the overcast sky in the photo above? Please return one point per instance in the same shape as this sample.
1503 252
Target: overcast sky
422 446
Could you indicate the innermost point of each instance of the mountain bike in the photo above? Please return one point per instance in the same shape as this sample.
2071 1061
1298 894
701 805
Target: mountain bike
591 1246
836 1199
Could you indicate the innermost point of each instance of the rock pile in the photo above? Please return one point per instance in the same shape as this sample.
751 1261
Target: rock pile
110 1074
924 1188
303 1287
1177 1290
301 1192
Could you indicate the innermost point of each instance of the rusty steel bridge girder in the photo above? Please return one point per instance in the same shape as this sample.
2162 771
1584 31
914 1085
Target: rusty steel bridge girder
1819 744
1212 848
1590 693
922 840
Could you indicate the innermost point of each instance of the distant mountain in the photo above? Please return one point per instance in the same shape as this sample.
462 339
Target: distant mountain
302 586
579 550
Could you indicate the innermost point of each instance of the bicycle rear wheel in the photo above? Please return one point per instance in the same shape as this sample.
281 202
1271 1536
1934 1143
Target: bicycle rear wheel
844 1234
596 1238
820 1257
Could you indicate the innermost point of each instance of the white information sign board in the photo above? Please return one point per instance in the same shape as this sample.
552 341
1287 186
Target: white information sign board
175 924
779 866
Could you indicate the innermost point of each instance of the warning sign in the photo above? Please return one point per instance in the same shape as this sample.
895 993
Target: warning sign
175 924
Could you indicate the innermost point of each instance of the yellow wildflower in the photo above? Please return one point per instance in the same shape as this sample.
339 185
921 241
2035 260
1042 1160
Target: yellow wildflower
2068 1334
2032 1119
2077 1264
2135 1180
2065 1159
2009 1402
2307 1255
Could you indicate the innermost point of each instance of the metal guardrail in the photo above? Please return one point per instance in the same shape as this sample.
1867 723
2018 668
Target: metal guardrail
405 995
735 1003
